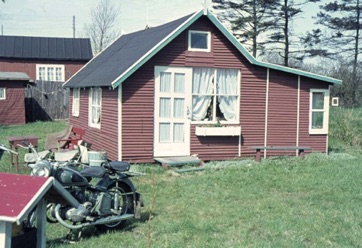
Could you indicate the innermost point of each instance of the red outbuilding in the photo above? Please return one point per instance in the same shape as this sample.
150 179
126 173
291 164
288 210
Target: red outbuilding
189 87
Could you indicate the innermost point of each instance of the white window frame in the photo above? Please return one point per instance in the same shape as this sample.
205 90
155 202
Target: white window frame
91 120
325 111
3 95
208 42
48 67
214 96
76 102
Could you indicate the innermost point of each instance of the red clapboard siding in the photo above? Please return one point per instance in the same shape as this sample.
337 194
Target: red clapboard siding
12 109
138 105
29 66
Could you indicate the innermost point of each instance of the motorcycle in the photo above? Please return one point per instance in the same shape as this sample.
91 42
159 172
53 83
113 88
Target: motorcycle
101 196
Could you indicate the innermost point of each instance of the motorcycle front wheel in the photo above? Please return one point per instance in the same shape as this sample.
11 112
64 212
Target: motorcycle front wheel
122 195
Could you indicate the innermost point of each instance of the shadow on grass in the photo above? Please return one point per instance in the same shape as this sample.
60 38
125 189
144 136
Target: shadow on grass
85 233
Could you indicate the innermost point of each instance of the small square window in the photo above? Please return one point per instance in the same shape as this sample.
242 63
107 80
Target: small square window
199 41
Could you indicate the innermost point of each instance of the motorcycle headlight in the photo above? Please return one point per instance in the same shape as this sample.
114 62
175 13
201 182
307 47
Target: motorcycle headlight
42 169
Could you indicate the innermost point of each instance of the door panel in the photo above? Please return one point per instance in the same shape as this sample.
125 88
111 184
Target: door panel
172 104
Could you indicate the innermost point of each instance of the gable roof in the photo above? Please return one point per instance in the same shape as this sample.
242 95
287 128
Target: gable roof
46 48
129 52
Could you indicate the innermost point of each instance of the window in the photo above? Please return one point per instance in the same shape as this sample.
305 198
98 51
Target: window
215 95
319 111
50 72
2 94
199 41
95 100
75 105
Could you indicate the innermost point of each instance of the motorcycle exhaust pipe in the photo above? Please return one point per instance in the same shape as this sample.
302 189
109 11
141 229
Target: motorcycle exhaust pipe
101 221
61 221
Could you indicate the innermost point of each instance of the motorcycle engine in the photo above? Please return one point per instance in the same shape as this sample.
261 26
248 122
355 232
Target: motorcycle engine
102 203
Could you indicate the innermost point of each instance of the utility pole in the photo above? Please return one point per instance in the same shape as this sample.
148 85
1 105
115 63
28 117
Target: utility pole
73 26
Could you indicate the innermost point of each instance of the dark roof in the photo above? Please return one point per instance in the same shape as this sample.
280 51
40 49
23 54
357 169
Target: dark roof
45 48
129 52
107 66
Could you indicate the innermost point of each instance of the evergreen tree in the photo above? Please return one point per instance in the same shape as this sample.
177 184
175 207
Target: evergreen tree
265 24
248 20
283 38
342 19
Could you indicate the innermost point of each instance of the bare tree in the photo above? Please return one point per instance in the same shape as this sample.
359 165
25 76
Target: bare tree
103 27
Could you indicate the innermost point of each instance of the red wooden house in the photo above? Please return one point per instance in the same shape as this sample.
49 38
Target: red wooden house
156 93
35 58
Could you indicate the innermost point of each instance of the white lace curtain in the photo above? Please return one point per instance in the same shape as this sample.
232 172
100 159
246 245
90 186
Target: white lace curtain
227 92
203 92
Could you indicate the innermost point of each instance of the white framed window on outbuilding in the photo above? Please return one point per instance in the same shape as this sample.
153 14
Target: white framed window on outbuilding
2 94
76 102
318 111
95 107
49 72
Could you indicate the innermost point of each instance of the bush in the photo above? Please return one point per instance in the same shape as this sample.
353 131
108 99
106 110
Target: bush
345 127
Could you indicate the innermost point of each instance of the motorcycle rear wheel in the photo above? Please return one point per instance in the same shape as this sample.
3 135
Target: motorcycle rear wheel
125 203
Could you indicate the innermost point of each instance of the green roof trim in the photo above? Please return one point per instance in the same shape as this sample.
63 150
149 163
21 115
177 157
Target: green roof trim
230 37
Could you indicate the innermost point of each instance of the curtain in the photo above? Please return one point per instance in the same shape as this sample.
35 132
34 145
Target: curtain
227 82
202 90
96 105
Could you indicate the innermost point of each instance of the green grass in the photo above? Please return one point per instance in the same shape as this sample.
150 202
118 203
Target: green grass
280 202
284 202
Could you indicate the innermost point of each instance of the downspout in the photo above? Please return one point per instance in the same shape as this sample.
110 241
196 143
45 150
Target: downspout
327 138
266 110
298 114
119 122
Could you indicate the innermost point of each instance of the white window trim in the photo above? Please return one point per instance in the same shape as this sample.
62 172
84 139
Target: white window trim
76 102
90 123
38 66
199 49
237 121
323 130
4 97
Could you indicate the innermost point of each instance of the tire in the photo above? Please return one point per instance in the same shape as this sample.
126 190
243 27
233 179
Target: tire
125 203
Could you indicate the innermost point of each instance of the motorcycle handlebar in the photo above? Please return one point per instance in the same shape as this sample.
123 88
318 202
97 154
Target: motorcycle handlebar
2 147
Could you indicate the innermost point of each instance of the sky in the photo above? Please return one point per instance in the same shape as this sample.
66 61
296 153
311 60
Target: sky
54 18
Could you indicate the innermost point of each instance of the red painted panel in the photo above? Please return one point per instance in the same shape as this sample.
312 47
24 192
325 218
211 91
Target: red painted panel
12 109
16 192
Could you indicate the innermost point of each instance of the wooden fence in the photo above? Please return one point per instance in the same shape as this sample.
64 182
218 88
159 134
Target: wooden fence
46 101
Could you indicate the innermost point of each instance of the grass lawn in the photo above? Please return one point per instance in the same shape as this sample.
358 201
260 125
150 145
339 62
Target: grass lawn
280 202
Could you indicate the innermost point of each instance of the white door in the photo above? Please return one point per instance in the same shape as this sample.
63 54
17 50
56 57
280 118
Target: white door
172 111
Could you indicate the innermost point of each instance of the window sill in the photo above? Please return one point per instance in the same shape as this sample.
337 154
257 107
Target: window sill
218 131
316 131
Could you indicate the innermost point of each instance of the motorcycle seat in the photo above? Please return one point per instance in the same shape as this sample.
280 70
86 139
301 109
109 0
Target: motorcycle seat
93 171
116 166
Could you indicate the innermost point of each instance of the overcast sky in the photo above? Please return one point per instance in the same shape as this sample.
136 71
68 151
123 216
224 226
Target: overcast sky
54 18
